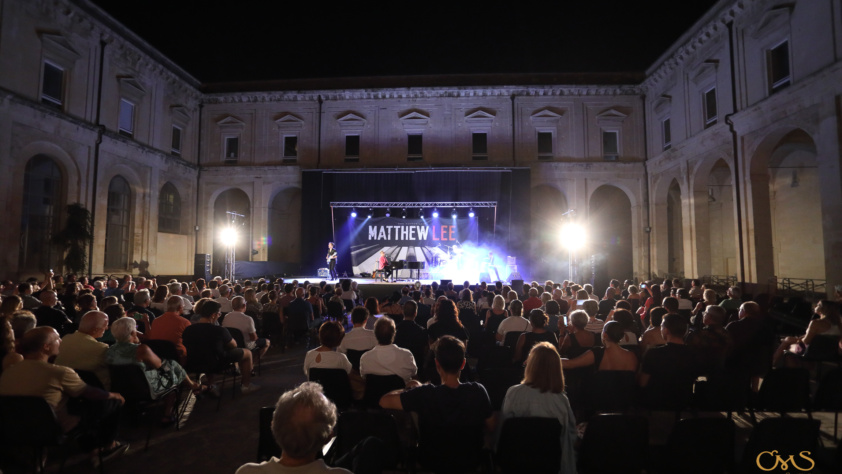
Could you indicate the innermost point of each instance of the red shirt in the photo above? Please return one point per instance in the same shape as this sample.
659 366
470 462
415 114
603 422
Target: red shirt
382 262
530 304
169 327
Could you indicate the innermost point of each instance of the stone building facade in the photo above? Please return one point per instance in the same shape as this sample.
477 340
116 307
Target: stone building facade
723 159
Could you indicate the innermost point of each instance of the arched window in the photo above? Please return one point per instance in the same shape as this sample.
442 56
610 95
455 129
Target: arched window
118 228
169 210
42 201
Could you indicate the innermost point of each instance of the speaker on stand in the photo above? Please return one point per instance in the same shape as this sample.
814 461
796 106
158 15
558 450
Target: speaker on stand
202 266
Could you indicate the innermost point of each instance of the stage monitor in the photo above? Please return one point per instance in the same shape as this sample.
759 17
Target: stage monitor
444 283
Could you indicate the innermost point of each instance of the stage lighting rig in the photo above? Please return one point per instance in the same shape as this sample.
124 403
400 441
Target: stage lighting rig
388 212
471 213
435 213
421 213
353 213
403 213
370 213
453 214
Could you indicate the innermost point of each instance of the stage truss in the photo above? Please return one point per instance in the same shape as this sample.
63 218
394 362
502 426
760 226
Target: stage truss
411 205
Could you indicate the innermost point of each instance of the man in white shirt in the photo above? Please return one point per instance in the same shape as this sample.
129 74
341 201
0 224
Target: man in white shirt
386 358
359 338
223 300
237 319
515 322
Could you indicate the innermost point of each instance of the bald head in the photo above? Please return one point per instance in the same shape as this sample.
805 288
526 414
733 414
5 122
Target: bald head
93 323
38 340
299 293
48 298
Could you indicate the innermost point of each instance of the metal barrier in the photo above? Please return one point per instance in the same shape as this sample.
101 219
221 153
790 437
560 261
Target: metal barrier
808 288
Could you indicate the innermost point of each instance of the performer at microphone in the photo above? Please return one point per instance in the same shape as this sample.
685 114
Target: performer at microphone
332 254
489 266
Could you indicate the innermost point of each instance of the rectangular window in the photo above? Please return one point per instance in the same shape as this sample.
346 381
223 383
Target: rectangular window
479 146
709 100
352 146
232 149
52 86
545 145
610 145
290 147
666 133
126 124
176 140
778 64
414 148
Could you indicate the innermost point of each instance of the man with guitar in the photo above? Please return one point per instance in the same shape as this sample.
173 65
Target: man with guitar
331 260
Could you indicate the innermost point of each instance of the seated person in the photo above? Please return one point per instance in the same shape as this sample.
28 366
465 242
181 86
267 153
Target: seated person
668 372
595 324
303 423
460 409
538 320
515 321
608 357
81 350
447 323
828 324
210 347
576 338
35 376
410 335
170 326
652 336
237 319
541 394
359 338
325 356
386 358
496 314
8 355
626 320
48 315
161 374
712 342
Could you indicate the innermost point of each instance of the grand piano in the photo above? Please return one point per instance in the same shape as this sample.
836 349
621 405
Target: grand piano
411 266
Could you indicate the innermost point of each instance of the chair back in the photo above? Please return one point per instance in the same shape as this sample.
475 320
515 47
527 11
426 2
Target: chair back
354 357
451 448
701 445
609 390
498 381
784 390
271 324
823 348
628 437
356 425
336 385
28 421
90 378
510 339
786 435
267 447
335 310
539 437
163 349
238 337
129 381
470 320
829 394
378 385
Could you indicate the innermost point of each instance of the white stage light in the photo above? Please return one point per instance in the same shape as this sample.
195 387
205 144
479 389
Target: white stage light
370 213
388 212
354 213
573 236
435 213
403 213
453 214
471 213
228 236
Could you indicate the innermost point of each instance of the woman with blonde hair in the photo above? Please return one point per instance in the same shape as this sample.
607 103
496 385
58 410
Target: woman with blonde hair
541 394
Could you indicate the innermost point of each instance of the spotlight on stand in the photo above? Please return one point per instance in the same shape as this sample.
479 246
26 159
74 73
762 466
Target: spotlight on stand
403 213
370 213
353 213
435 213
453 213
471 213
573 236
388 212
228 236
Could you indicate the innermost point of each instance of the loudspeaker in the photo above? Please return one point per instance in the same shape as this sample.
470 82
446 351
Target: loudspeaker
444 283
202 266
517 285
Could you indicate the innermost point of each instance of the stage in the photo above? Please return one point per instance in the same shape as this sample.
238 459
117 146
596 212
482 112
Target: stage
378 289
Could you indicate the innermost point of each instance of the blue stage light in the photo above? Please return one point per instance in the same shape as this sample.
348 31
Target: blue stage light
354 213
435 213
471 213
453 213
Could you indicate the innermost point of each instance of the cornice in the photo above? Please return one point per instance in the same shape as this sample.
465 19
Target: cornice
422 93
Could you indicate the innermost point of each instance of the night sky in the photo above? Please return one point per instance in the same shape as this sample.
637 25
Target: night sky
250 40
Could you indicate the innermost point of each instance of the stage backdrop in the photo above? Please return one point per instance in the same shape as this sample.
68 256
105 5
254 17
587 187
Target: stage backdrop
321 224
436 242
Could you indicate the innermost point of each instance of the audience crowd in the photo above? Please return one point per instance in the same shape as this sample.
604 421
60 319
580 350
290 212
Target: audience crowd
463 361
